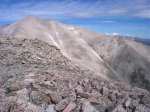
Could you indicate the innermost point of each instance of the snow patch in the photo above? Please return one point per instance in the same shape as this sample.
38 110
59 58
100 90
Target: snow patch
60 41
76 32
58 46
54 41
56 33
66 55
115 33
71 28
83 41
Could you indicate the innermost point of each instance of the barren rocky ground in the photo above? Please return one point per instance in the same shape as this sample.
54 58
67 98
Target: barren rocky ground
128 58
113 58
37 77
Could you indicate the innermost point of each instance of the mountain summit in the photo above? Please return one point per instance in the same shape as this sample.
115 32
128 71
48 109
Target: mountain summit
66 38
47 66
112 58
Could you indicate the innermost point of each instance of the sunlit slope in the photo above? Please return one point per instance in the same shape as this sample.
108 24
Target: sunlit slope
66 38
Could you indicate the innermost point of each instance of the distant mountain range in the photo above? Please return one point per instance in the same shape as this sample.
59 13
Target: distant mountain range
145 41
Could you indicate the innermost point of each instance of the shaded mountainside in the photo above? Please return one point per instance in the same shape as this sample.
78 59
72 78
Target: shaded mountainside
144 41
127 58
37 77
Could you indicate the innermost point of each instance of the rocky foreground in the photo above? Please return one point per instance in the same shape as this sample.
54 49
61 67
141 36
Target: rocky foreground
36 77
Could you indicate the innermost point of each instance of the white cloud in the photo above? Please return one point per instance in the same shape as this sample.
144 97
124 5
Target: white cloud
66 9
115 33
107 34
143 14
83 14
118 11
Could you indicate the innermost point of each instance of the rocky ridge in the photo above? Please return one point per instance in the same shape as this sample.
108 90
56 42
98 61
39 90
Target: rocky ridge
113 58
65 37
37 77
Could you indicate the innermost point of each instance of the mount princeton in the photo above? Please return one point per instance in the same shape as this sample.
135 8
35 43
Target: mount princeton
47 66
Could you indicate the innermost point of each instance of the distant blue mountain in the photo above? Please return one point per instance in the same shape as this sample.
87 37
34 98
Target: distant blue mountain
144 41
137 39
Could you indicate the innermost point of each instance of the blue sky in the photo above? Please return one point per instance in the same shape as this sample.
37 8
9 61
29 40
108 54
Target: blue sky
125 17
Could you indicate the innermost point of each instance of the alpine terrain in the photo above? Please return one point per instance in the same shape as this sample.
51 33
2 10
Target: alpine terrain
48 66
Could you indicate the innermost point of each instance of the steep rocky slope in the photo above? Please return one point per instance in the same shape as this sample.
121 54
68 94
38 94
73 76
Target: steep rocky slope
64 37
112 58
128 58
37 77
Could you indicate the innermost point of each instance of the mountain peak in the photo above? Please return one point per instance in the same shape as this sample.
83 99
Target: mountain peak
35 20
30 17
65 37
100 53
